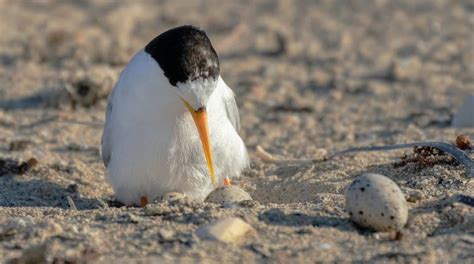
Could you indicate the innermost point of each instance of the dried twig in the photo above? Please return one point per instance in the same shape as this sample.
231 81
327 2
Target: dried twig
465 199
102 203
461 156
71 203
267 157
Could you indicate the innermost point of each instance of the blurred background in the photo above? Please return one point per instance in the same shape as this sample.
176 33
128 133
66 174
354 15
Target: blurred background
371 65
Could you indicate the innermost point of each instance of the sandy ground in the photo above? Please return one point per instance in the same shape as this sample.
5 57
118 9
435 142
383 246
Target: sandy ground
311 77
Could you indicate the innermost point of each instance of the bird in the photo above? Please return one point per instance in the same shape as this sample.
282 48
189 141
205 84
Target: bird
172 122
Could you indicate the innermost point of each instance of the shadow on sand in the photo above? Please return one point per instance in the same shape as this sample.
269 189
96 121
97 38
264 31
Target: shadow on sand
41 99
278 217
40 193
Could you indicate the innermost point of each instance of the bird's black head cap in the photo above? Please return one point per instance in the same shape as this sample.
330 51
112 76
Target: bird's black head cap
184 54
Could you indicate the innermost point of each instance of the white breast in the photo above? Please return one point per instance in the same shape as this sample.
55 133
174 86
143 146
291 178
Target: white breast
153 143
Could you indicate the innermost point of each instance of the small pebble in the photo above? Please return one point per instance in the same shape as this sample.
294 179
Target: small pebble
376 236
376 202
415 196
463 142
320 153
228 194
129 218
228 230
166 234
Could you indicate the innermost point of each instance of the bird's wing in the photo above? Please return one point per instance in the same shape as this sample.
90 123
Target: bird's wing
231 106
106 143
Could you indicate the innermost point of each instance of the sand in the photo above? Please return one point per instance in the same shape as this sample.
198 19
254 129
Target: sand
311 77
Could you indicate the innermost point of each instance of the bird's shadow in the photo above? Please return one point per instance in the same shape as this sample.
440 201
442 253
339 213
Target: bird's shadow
40 193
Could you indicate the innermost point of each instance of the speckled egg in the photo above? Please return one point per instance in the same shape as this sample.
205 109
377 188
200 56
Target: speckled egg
228 194
376 202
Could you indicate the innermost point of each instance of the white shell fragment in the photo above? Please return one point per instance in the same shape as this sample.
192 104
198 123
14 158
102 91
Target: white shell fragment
228 194
228 230
465 115
376 202
173 196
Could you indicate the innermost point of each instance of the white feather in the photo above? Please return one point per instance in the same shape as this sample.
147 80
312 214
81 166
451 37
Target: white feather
150 143
197 92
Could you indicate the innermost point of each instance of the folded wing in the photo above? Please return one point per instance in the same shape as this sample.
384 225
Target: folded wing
231 106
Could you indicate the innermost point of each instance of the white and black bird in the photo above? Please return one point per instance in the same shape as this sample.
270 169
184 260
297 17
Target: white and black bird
172 121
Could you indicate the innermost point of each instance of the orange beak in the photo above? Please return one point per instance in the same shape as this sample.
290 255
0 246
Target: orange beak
200 119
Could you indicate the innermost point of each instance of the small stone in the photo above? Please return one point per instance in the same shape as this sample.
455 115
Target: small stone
129 218
228 194
166 234
133 218
414 196
321 153
376 236
376 202
228 230
464 118
463 142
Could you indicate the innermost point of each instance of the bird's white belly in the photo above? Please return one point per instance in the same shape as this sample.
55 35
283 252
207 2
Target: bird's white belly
158 152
